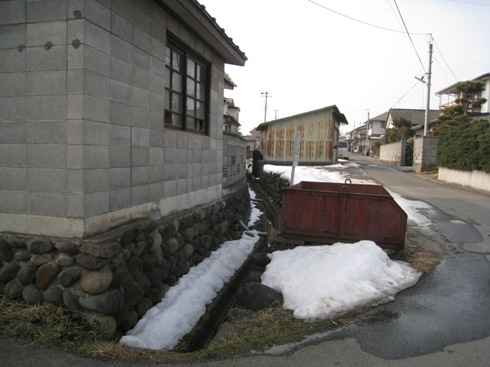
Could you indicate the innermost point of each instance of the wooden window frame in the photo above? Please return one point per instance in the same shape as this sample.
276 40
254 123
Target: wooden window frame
187 85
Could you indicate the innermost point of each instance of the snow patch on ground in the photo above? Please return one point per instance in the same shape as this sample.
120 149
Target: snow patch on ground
321 282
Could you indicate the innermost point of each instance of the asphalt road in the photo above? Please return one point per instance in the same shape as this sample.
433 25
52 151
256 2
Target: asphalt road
452 304
442 321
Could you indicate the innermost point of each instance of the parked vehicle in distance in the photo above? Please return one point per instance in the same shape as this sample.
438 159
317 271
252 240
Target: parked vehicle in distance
343 150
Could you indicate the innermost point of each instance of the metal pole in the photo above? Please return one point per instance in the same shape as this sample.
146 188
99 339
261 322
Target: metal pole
367 132
429 75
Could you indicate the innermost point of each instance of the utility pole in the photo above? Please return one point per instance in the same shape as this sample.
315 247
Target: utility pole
367 132
429 75
266 95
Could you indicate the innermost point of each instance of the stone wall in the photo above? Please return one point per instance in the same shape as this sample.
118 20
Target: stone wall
113 281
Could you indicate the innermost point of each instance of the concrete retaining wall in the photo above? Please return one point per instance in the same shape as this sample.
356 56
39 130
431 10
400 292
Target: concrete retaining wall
475 179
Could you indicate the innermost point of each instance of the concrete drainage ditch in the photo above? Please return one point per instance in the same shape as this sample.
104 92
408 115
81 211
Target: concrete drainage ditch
242 295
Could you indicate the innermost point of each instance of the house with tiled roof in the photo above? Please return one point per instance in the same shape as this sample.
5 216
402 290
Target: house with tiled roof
416 116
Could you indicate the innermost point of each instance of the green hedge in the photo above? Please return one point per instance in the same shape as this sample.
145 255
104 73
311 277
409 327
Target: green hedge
465 147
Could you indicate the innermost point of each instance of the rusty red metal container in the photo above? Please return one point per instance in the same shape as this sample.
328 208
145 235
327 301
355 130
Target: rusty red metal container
325 212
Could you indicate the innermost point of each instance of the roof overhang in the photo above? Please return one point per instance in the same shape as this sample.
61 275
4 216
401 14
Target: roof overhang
338 116
200 22
453 88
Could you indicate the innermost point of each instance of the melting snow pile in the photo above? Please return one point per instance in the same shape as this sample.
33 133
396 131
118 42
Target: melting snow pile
320 282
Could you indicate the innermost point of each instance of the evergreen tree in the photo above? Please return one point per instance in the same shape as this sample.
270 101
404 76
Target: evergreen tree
402 129
468 102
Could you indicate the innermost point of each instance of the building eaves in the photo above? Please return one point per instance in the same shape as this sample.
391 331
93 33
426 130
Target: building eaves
381 117
340 117
228 119
249 138
417 117
204 26
229 84
452 89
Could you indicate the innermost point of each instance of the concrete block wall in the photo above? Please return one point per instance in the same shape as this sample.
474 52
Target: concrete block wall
82 144
425 154
33 108
393 153
234 162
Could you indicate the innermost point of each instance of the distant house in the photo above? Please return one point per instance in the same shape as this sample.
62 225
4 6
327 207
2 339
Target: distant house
448 96
416 116
109 111
356 139
253 142
234 149
367 134
319 137
376 128
230 111
230 116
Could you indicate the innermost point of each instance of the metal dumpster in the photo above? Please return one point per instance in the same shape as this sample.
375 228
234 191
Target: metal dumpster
325 212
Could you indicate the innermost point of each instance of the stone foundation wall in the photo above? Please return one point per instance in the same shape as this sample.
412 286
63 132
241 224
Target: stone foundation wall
113 281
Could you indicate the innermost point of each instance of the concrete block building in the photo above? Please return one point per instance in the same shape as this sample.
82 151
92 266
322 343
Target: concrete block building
109 111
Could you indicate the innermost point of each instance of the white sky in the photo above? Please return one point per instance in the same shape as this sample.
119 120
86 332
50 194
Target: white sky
308 57
317 282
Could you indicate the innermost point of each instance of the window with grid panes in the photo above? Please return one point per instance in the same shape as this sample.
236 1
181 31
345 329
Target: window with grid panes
185 90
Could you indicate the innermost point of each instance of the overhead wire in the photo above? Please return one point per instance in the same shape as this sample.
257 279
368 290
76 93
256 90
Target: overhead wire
393 11
361 21
469 2
447 65
409 36
406 93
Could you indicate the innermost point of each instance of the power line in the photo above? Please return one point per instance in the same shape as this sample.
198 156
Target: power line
361 21
408 33
393 11
468 60
440 53
406 93
469 2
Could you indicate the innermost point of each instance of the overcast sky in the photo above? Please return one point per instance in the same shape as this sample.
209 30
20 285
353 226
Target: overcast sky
309 54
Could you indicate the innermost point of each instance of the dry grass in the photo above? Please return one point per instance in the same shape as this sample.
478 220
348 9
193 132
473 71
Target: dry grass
423 261
50 326
44 325
272 326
